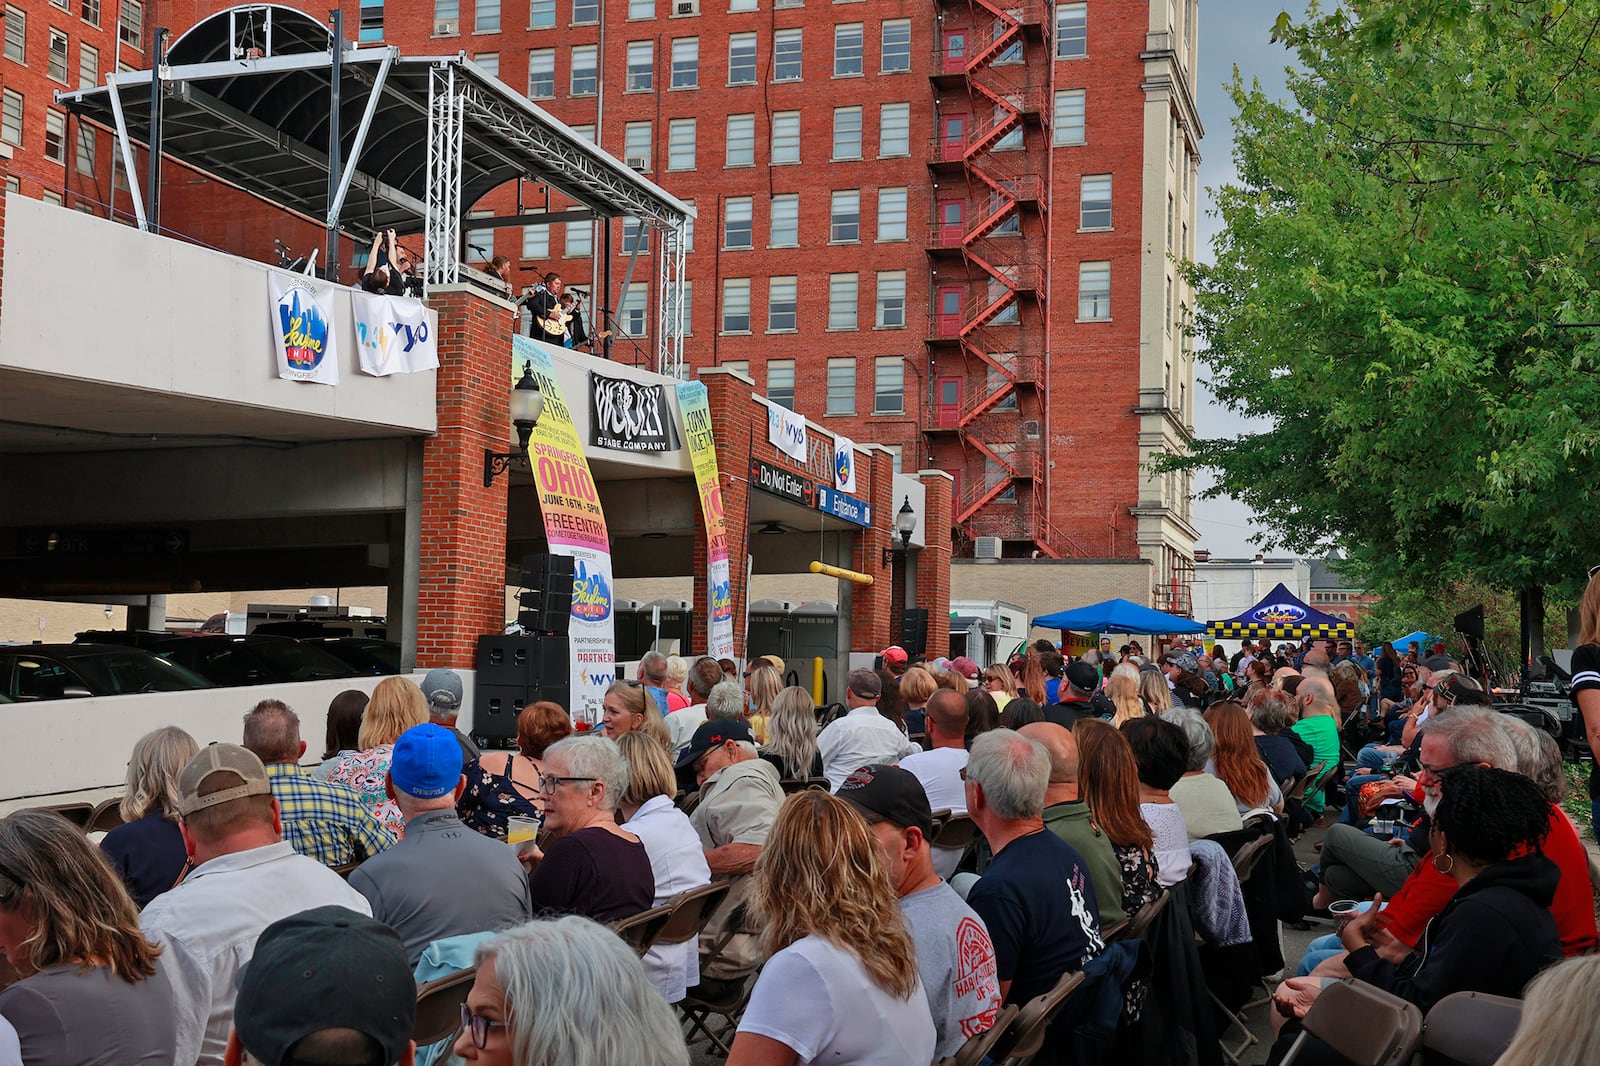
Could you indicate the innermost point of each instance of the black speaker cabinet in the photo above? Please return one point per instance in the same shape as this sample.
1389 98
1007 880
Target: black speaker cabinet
522 661
914 631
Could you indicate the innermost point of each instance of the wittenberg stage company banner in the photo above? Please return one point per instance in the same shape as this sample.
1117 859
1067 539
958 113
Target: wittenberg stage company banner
629 416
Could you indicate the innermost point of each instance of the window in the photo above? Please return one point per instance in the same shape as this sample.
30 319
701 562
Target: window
1072 30
1094 292
130 24
785 221
58 56
536 241
842 290
744 5
1012 140
55 136
741 140
1094 202
636 145
741 59
11 117
780 382
371 20
680 144
844 218
542 14
13 183
579 239
1010 226
641 66
896 45
585 70
736 305
686 63
847 50
16 34
585 12
786 136
889 385
786 55
1009 314
894 130
86 149
641 9
50 196
1169 305
632 319
688 230
635 237
737 222
489 62
686 310
542 74
446 18
88 66
90 10
847 133
896 455
486 18
891 299
584 133
841 386
737 366
1069 116
783 309
891 214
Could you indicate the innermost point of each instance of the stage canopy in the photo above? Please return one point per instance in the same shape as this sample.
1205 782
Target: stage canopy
1118 616
1281 616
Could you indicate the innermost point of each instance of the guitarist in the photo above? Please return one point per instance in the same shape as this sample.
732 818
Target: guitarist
550 319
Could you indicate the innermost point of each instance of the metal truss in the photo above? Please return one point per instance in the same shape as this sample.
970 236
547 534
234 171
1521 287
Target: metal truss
446 122
669 302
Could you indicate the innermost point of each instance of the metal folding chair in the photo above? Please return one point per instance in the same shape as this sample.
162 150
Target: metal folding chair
1470 1028
1365 1025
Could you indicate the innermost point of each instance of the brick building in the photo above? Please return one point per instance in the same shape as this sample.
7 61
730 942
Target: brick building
978 207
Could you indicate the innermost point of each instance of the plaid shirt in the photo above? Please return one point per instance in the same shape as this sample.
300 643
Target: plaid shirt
324 821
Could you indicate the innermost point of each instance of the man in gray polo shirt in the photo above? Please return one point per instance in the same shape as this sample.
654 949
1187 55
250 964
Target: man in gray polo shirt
442 879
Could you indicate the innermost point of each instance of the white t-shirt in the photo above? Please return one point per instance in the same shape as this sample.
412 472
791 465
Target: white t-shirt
819 1001
939 770
1171 839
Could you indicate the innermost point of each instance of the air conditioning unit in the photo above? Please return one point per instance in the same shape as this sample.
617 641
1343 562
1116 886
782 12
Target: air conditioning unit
446 28
638 162
986 547
686 7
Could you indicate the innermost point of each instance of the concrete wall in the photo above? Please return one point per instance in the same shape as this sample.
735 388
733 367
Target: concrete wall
1041 586
1226 587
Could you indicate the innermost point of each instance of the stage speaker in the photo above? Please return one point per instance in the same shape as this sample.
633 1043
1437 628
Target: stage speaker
1470 623
548 573
495 709
549 611
914 631
522 661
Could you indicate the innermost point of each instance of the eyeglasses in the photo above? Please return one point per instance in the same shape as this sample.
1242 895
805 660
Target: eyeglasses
548 783
478 1026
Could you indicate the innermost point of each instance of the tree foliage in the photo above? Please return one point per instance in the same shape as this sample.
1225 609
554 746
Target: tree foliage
1405 290
1433 608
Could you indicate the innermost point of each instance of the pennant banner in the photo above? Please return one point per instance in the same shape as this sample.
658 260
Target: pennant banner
302 327
786 431
575 525
393 334
695 406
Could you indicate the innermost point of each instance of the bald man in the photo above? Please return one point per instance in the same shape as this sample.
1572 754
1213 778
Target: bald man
1319 727
1068 817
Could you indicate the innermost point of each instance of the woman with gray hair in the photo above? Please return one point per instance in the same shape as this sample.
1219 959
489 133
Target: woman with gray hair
147 849
592 867
567 991
1206 803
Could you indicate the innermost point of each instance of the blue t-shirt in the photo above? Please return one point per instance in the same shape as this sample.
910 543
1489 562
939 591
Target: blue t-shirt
1052 689
1038 903
148 853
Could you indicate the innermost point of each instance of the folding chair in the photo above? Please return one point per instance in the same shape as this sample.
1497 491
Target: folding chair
1365 1025
1470 1028
1245 861
1139 924
344 870
641 930
956 831
1027 1034
439 1006
78 814
978 1048
690 911
725 998
791 785
106 817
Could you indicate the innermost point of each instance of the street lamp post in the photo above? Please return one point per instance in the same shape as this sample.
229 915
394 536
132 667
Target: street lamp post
527 404
905 524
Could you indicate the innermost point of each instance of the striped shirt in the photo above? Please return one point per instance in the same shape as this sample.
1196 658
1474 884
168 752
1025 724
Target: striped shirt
325 821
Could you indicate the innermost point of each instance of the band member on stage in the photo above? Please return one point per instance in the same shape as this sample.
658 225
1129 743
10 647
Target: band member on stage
549 317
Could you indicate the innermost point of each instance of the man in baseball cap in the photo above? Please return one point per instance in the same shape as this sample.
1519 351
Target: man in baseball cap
895 660
951 940
325 986
713 737
442 687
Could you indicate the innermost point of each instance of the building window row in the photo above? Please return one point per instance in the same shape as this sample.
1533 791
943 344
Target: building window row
783 303
888 386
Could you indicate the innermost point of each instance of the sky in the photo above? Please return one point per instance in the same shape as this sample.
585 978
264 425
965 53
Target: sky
1233 33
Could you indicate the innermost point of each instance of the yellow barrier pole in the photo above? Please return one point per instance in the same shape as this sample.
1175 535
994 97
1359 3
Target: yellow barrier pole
816 680
853 576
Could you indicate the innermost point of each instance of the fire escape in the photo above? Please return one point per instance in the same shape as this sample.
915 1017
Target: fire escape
991 63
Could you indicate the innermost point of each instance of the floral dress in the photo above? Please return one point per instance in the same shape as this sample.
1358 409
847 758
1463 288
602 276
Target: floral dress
491 798
365 771
1140 879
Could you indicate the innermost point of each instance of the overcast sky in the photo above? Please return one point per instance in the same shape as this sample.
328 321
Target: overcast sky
1233 33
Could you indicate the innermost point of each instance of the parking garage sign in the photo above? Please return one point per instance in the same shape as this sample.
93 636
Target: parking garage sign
836 503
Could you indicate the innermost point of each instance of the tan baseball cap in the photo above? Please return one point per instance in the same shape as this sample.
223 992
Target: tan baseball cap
775 661
221 758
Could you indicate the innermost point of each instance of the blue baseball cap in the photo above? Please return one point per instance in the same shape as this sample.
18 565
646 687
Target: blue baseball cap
426 762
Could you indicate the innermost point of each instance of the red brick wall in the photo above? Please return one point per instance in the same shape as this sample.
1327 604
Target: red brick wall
933 561
463 568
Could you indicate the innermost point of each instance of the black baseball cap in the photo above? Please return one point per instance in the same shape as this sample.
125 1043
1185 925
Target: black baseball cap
884 793
325 968
1081 675
712 733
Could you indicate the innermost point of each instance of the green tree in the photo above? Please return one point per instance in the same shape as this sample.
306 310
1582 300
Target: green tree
1404 289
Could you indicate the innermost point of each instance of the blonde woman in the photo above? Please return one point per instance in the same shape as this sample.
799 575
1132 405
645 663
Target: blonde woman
1000 683
1154 692
1123 692
841 982
1558 1026
397 704
792 735
147 849
764 686
917 688
626 707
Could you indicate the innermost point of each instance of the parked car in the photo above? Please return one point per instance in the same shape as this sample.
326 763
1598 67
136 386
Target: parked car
253 660
64 671
366 655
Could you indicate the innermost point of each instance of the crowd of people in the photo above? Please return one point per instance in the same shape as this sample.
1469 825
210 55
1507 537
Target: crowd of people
260 906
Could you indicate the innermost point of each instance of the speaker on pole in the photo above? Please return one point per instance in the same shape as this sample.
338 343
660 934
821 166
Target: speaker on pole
914 631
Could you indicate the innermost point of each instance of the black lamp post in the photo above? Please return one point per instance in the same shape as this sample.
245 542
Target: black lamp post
527 404
905 523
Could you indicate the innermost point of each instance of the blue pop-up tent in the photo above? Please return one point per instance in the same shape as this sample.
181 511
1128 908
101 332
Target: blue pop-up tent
1281 615
1423 640
1118 616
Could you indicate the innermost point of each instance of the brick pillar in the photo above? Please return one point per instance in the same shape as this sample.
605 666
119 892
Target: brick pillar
933 562
461 585
5 170
871 605
732 423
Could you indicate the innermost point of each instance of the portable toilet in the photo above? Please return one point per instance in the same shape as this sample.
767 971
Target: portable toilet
816 634
672 637
771 629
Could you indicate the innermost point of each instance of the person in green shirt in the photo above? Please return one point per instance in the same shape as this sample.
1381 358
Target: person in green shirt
1068 817
1319 727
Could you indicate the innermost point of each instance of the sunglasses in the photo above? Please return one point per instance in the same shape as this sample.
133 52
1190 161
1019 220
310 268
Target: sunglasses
478 1026
1593 570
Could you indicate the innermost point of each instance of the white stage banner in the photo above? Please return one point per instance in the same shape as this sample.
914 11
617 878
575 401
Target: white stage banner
393 335
302 326
844 464
786 431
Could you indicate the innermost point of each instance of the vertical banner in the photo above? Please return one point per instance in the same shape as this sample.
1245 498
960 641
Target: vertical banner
695 407
302 327
392 334
844 463
575 525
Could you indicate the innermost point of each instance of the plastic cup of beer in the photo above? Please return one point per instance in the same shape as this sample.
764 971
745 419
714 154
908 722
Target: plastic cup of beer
521 831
